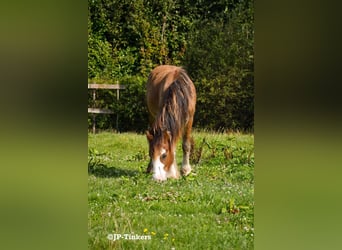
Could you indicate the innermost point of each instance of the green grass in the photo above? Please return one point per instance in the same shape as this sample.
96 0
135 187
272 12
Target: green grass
212 208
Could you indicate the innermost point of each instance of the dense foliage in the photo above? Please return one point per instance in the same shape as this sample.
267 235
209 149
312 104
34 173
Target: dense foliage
213 40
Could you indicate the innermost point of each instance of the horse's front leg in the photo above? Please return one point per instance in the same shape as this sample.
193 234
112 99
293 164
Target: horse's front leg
186 167
173 171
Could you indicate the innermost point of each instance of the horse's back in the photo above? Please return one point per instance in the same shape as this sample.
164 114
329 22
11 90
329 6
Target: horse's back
159 80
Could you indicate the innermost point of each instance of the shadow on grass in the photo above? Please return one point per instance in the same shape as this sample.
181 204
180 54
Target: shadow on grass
108 172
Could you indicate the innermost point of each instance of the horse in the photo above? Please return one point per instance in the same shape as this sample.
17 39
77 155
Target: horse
171 102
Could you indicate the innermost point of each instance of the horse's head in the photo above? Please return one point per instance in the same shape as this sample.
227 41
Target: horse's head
162 155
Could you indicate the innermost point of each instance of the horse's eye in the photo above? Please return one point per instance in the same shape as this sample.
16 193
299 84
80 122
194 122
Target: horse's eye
163 156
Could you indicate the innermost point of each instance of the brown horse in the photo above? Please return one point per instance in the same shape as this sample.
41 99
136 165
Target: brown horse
171 101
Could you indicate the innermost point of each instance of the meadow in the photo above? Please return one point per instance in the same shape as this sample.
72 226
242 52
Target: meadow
212 208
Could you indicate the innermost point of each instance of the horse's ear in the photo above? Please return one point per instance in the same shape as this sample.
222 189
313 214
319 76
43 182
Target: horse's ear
149 135
167 136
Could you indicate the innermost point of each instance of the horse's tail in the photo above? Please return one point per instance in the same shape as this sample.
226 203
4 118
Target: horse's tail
179 102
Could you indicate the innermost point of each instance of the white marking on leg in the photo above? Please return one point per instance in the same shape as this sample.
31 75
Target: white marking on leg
186 168
173 171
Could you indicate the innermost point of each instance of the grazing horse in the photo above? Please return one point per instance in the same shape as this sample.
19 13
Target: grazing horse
171 101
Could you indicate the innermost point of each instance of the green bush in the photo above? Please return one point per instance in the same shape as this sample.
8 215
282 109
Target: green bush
220 62
132 106
100 60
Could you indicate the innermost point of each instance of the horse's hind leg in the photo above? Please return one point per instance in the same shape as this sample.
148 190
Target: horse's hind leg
186 168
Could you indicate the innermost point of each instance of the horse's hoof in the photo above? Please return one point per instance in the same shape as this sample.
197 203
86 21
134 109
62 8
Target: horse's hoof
186 170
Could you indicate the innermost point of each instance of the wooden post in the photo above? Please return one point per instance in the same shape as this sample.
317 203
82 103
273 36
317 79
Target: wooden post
117 114
95 110
94 120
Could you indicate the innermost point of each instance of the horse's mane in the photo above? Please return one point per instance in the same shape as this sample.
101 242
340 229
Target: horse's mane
174 113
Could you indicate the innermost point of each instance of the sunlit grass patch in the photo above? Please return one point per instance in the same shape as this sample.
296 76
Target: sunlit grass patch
213 207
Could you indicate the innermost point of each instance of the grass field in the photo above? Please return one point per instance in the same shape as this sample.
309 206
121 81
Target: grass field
212 208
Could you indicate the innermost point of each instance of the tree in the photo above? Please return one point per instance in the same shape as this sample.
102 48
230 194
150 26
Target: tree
213 40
